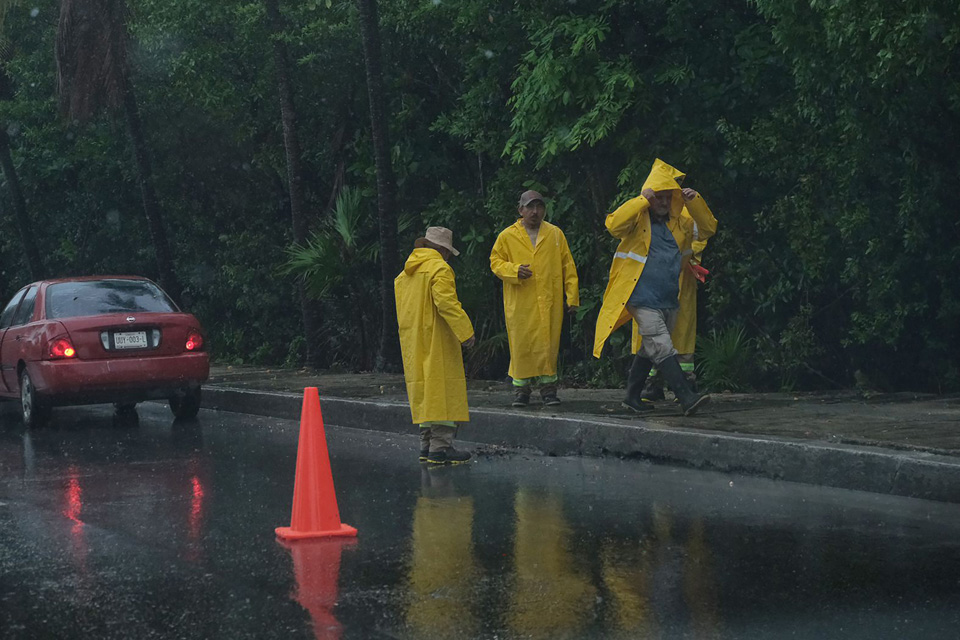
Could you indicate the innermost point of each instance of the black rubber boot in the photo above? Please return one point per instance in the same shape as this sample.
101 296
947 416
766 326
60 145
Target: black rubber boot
690 400
653 389
448 456
637 377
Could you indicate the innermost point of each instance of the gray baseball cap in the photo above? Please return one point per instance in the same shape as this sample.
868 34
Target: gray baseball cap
530 196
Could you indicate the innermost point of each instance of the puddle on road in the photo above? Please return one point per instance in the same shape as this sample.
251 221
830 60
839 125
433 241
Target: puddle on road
100 522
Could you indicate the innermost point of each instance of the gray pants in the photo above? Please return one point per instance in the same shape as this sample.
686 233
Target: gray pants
655 327
437 436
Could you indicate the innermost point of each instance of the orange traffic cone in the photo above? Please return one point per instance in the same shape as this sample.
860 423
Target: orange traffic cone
315 512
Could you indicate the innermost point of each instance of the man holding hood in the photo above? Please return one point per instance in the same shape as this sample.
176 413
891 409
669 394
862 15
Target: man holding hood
433 326
534 261
656 232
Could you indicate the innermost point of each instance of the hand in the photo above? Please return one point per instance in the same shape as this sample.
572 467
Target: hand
469 342
524 272
689 194
572 310
648 194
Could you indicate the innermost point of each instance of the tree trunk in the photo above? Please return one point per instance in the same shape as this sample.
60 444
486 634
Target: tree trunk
389 354
151 207
310 309
30 252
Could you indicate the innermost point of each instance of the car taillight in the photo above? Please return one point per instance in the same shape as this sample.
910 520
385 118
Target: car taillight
194 341
62 348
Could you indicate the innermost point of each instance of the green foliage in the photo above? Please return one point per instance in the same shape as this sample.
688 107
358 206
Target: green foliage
726 360
821 133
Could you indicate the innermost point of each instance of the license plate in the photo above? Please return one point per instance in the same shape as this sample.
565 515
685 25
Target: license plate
130 340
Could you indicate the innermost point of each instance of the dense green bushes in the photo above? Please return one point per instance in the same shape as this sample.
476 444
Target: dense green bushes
822 135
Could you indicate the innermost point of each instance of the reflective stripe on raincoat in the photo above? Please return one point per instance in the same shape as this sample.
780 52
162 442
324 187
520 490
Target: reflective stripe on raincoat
432 327
630 223
534 307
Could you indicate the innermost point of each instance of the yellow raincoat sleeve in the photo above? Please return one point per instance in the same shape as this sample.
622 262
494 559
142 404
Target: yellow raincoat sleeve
501 267
701 214
571 284
622 221
443 289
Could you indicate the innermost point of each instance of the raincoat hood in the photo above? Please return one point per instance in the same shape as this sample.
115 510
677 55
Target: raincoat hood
664 177
418 258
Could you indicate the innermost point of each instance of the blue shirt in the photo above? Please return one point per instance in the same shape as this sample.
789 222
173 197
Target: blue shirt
659 283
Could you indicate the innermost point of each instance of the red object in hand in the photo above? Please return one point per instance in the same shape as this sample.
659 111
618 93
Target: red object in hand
698 272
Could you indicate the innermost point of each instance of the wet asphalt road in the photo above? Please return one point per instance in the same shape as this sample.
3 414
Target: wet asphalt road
163 530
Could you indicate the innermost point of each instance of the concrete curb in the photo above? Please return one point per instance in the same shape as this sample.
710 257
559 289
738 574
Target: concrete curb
910 474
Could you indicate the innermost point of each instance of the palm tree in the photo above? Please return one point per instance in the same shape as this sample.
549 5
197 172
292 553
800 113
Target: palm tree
30 252
310 308
388 356
93 75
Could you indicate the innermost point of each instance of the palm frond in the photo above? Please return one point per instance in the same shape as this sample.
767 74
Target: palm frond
346 218
726 359
318 264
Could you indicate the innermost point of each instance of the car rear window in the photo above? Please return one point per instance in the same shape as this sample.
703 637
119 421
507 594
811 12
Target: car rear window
97 297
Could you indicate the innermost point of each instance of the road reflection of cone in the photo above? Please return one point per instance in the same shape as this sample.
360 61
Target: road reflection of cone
315 511
316 568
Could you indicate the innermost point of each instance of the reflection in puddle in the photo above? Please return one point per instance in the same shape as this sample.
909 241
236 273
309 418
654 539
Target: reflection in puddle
659 582
442 569
552 589
79 548
195 520
555 579
316 568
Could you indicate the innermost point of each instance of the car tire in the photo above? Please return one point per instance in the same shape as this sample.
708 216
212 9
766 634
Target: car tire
186 405
32 411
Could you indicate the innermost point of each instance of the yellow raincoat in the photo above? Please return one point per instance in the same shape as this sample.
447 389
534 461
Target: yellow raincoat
684 333
432 326
534 307
630 223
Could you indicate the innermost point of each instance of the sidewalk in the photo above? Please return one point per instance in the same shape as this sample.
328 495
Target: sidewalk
906 444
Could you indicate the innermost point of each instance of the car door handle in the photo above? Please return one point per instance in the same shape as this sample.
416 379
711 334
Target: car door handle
18 338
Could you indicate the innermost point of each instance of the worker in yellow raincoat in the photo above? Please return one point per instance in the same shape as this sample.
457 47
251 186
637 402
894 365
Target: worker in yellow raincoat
534 261
433 326
684 334
656 230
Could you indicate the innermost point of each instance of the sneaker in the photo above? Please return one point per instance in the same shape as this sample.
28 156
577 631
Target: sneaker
638 407
424 454
522 397
449 456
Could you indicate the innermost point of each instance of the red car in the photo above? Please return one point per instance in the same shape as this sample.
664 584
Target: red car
92 340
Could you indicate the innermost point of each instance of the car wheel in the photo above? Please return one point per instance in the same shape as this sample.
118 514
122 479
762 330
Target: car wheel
186 405
32 412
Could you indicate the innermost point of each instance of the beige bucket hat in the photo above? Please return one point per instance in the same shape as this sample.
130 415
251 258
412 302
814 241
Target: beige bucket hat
441 236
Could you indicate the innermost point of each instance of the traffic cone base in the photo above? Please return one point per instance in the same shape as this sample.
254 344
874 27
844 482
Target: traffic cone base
288 533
